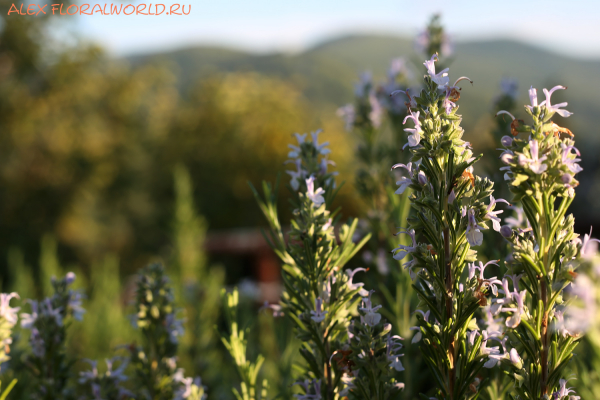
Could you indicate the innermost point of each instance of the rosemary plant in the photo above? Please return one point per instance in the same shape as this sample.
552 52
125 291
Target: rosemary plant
155 362
376 119
450 214
320 297
48 362
106 385
541 169
236 344
8 320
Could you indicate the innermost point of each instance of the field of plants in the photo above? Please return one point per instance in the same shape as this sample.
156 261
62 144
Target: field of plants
234 236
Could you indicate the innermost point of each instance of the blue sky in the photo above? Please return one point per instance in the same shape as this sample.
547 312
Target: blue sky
568 27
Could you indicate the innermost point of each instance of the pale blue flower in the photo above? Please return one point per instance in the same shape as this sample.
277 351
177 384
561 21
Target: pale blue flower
474 235
557 107
493 215
353 286
404 181
515 319
564 391
535 163
393 346
585 251
296 175
448 104
441 78
471 336
371 316
493 352
6 311
28 320
75 305
318 315
320 147
348 115
348 381
415 133
532 99
419 334
402 250
316 196
56 313
571 163
481 267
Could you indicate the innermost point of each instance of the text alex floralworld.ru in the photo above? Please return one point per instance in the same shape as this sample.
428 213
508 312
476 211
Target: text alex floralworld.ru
102 9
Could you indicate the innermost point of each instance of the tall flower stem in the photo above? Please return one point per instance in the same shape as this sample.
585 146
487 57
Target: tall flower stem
449 214
541 170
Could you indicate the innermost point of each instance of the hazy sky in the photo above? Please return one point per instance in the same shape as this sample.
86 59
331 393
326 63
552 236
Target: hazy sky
569 27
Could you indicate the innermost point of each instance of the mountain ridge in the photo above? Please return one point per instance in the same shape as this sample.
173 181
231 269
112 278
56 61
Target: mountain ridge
326 72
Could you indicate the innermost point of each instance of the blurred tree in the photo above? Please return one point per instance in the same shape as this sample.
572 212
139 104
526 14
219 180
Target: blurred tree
231 130
87 146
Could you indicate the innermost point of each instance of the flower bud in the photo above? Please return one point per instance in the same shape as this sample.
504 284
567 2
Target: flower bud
515 359
506 231
566 178
506 157
451 197
422 178
506 141
70 278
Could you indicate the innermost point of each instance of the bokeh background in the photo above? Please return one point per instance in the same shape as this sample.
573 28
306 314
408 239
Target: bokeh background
129 139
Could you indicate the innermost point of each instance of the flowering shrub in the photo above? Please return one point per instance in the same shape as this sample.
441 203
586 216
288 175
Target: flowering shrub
106 385
155 362
48 321
320 297
541 171
376 119
523 325
450 215
236 344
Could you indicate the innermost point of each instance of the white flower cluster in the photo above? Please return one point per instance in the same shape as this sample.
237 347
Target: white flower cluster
8 319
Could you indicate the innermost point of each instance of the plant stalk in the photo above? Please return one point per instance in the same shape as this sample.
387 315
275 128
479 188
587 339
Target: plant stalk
448 275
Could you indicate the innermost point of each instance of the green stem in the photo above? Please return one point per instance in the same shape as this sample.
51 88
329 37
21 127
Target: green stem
544 333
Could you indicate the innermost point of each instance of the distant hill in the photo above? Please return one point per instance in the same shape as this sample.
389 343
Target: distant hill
326 73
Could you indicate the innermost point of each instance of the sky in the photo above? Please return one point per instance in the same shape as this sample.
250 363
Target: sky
566 27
